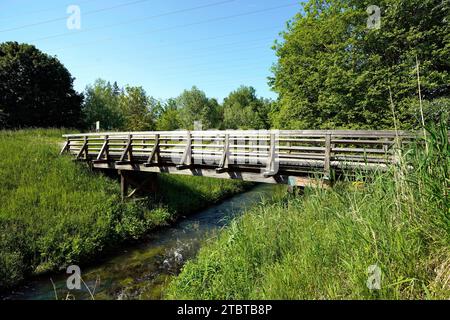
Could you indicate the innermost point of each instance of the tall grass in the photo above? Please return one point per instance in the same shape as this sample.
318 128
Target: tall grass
54 212
320 245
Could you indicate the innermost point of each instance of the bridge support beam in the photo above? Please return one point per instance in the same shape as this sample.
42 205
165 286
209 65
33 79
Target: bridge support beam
138 182
123 185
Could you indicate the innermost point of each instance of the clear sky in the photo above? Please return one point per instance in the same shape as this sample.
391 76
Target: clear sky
165 46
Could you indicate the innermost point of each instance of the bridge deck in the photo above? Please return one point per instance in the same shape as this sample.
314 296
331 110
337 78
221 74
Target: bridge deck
271 156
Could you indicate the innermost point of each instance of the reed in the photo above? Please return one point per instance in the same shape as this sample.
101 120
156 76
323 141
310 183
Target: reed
321 245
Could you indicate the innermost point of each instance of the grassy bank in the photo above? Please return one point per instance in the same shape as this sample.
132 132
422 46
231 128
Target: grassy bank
55 212
320 245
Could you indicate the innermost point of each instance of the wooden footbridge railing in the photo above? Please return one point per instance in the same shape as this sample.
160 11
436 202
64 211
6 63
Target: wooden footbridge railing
275 156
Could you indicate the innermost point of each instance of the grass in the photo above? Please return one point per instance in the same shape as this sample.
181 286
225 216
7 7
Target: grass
55 212
321 245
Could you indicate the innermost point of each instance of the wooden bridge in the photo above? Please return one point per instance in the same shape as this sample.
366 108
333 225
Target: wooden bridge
293 157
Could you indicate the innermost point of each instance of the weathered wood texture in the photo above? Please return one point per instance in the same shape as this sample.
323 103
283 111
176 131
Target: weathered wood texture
272 156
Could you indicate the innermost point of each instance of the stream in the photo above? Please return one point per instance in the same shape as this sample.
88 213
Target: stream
143 271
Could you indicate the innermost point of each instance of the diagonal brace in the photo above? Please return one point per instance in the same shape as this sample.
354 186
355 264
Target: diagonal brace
186 158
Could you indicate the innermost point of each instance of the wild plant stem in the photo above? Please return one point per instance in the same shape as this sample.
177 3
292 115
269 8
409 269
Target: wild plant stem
54 288
421 103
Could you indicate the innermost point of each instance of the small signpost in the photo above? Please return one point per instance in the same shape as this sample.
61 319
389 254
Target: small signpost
97 126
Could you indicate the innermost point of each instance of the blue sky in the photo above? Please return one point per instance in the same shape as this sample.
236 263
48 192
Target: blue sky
165 46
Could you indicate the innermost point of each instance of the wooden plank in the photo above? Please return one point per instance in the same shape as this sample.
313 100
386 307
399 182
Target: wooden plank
385 141
127 151
345 159
359 150
298 140
299 148
302 156
237 133
203 172
271 169
186 158
155 152
237 156
83 149
65 147
123 185
327 161
95 143
103 150
224 161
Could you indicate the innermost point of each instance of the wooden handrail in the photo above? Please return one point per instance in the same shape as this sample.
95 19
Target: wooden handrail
272 152
311 133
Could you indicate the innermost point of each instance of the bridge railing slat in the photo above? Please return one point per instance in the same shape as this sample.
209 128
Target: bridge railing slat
292 148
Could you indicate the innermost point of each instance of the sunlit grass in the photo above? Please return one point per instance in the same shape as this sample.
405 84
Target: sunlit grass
320 245
55 212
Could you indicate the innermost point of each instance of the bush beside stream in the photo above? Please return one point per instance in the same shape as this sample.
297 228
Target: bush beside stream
55 212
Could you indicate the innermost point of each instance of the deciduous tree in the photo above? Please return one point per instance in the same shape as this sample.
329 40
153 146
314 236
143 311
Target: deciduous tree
242 109
334 69
169 118
194 105
36 90
138 109
102 104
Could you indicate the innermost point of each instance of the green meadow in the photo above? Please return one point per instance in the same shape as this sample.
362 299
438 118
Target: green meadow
327 244
55 212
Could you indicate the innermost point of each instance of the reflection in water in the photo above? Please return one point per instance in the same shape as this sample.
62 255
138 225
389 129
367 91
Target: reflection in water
143 272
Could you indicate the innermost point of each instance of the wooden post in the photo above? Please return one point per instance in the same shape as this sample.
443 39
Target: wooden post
186 158
130 148
271 169
223 166
332 147
327 162
84 149
104 150
107 147
66 147
127 152
155 152
142 184
123 185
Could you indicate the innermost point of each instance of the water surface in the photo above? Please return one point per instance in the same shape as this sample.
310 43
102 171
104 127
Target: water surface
143 271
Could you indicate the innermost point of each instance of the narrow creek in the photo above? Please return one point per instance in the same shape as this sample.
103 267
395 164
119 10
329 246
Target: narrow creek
143 271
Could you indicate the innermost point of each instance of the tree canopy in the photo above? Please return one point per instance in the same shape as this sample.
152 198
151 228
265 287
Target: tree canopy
195 106
132 109
116 108
170 117
35 89
242 109
138 109
335 72
102 104
338 67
